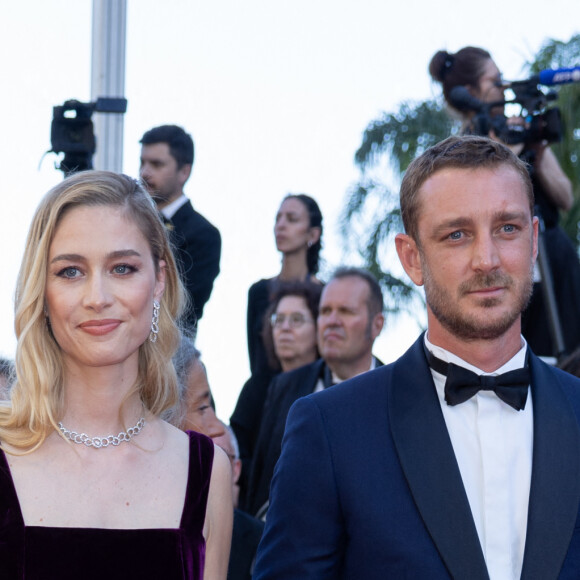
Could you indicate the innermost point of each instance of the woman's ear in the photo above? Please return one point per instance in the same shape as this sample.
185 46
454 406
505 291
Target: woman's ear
160 282
315 233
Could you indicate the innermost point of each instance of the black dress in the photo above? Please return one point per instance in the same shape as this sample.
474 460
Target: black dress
40 553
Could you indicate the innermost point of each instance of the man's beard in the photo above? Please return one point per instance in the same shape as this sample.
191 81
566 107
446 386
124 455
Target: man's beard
468 325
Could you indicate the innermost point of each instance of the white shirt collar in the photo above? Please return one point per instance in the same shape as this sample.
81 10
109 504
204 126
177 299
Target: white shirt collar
171 209
516 362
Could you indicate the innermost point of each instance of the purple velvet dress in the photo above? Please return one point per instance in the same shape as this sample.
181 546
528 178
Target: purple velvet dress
41 553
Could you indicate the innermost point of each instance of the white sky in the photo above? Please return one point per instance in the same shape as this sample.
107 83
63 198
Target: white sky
276 95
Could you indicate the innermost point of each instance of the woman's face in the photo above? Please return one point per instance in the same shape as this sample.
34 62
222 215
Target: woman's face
292 229
100 286
489 88
294 333
200 415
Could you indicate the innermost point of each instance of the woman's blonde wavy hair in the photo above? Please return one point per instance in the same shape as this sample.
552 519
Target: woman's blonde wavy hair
37 396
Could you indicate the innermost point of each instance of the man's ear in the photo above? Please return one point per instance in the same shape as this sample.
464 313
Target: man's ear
184 172
377 325
410 257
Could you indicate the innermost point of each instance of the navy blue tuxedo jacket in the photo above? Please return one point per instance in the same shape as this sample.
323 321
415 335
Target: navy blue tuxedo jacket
198 249
368 487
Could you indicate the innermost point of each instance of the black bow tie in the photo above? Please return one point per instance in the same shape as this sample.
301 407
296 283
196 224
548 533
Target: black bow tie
462 384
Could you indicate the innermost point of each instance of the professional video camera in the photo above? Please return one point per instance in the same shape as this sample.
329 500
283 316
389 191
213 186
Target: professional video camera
542 123
72 133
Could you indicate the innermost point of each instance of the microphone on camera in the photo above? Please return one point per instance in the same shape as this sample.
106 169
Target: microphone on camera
559 76
550 77
463 100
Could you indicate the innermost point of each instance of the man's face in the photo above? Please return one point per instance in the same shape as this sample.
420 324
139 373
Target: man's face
344 331
160 173
478 243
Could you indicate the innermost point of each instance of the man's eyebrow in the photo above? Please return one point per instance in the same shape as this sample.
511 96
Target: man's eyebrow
509 216
454 223
461 222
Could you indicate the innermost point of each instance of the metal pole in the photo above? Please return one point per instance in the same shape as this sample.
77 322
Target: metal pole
547 282
108 79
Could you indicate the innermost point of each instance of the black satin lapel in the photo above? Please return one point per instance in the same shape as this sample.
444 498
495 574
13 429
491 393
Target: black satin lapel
429 464
555 486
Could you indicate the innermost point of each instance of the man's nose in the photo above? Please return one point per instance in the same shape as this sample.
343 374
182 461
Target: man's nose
144 171
333 319
485 253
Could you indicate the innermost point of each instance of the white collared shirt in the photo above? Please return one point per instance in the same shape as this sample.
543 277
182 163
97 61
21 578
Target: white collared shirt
171 209
335 380
493 446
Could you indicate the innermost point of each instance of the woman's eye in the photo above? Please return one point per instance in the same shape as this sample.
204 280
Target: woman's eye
70 272
123 269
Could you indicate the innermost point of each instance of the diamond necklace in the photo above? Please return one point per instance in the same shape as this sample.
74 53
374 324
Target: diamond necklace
98 442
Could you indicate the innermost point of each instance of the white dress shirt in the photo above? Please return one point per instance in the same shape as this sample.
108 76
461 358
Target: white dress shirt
493 446
171 209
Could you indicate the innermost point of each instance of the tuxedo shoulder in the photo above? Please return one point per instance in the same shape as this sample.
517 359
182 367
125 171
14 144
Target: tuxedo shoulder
308 373
204 224
364 387
187 214
570 383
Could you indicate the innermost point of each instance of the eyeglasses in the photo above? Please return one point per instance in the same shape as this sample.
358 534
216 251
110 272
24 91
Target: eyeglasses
295 319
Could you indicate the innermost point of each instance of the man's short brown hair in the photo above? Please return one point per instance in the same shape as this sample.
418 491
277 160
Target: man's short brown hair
466 152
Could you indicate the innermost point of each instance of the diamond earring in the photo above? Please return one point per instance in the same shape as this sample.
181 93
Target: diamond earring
155 322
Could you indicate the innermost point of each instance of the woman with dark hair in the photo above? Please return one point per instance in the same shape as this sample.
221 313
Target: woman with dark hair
290 342
474 70
93 483
298 233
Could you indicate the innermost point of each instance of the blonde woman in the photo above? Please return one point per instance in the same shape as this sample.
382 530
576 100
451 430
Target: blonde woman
93 484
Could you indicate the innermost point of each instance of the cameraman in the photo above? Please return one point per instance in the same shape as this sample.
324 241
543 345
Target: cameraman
474 69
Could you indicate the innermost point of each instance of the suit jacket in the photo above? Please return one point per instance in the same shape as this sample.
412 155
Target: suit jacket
245 421
283 391
245 539
368 486
198 249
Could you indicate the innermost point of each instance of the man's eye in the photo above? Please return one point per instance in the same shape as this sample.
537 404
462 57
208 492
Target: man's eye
455 236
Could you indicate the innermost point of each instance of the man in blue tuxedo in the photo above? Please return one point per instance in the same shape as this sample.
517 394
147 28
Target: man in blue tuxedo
166 161
430 467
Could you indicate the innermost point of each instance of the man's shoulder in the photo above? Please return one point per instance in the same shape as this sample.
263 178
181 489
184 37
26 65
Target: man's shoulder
286 387
358 388
296 376
245 524
187 215
568 382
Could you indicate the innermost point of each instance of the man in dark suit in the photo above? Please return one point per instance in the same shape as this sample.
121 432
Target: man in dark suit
350 318
166 161
430 468
247 530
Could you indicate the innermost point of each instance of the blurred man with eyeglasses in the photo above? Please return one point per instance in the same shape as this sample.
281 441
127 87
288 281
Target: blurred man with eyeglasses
349 320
